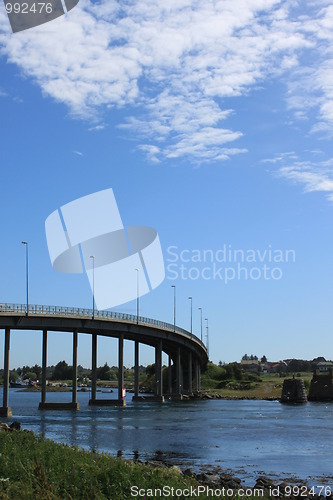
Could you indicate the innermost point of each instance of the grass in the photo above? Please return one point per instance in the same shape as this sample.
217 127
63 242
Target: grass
267 385
33 467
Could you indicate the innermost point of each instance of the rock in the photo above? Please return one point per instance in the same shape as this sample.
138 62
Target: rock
263 483
232 484
4 427
225 478
214 480
176 469
15 426
155 463
202 477
188 473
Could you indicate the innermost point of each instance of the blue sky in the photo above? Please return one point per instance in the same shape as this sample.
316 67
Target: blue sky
212 122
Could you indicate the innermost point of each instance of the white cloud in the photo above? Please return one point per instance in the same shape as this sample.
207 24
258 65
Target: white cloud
314 176
172 66
78 153
151 151
96 128
311 87
290 155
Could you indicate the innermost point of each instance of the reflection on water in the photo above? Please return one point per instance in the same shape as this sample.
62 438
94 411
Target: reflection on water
254 435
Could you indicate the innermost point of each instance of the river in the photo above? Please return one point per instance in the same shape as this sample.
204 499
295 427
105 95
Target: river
249 437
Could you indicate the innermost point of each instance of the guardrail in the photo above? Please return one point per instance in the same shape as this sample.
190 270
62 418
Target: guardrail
74 312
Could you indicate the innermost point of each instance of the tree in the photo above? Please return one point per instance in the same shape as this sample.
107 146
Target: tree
62 371
13 375
263 359
150 370
104 372
30 375
38 370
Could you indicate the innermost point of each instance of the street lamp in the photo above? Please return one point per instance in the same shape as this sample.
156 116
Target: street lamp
27 272
137 296
190 298
93 261
200 309
174 307
207 340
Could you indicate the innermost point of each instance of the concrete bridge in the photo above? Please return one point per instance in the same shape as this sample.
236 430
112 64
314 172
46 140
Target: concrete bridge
187 353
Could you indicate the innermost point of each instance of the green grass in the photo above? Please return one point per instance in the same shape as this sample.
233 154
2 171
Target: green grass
265 385
33 467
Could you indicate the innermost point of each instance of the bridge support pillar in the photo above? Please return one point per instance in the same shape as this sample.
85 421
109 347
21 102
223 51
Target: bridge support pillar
170 376
199 376
74 390
121 400
179 388
190 387
44 364
93 367
196 376
136 370
5 410
158 373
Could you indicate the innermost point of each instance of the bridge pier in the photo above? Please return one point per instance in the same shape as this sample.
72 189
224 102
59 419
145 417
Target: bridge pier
158 373
5 410
179 387
44 364
121 400
93 367
197 376
190 387
136 396
170 376
74 385
74 405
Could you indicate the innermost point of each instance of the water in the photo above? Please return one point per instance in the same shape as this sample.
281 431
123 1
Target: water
249 437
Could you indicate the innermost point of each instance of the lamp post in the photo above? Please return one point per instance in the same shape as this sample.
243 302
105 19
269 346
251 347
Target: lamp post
137 296
190 298
93 261
207 340
174 307
27 272
200 309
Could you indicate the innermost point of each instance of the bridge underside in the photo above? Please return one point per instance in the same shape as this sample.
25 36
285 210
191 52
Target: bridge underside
187 357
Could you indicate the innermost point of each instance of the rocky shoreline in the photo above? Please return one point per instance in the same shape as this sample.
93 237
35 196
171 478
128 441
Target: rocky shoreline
264 487
202 395
215 478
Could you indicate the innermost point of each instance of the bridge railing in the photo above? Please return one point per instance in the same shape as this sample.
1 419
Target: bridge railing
74 312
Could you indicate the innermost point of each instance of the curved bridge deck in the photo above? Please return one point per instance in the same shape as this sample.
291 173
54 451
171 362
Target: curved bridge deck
187 353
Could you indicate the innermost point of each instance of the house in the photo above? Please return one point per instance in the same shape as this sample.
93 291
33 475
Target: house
251 365
276 367
325 366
